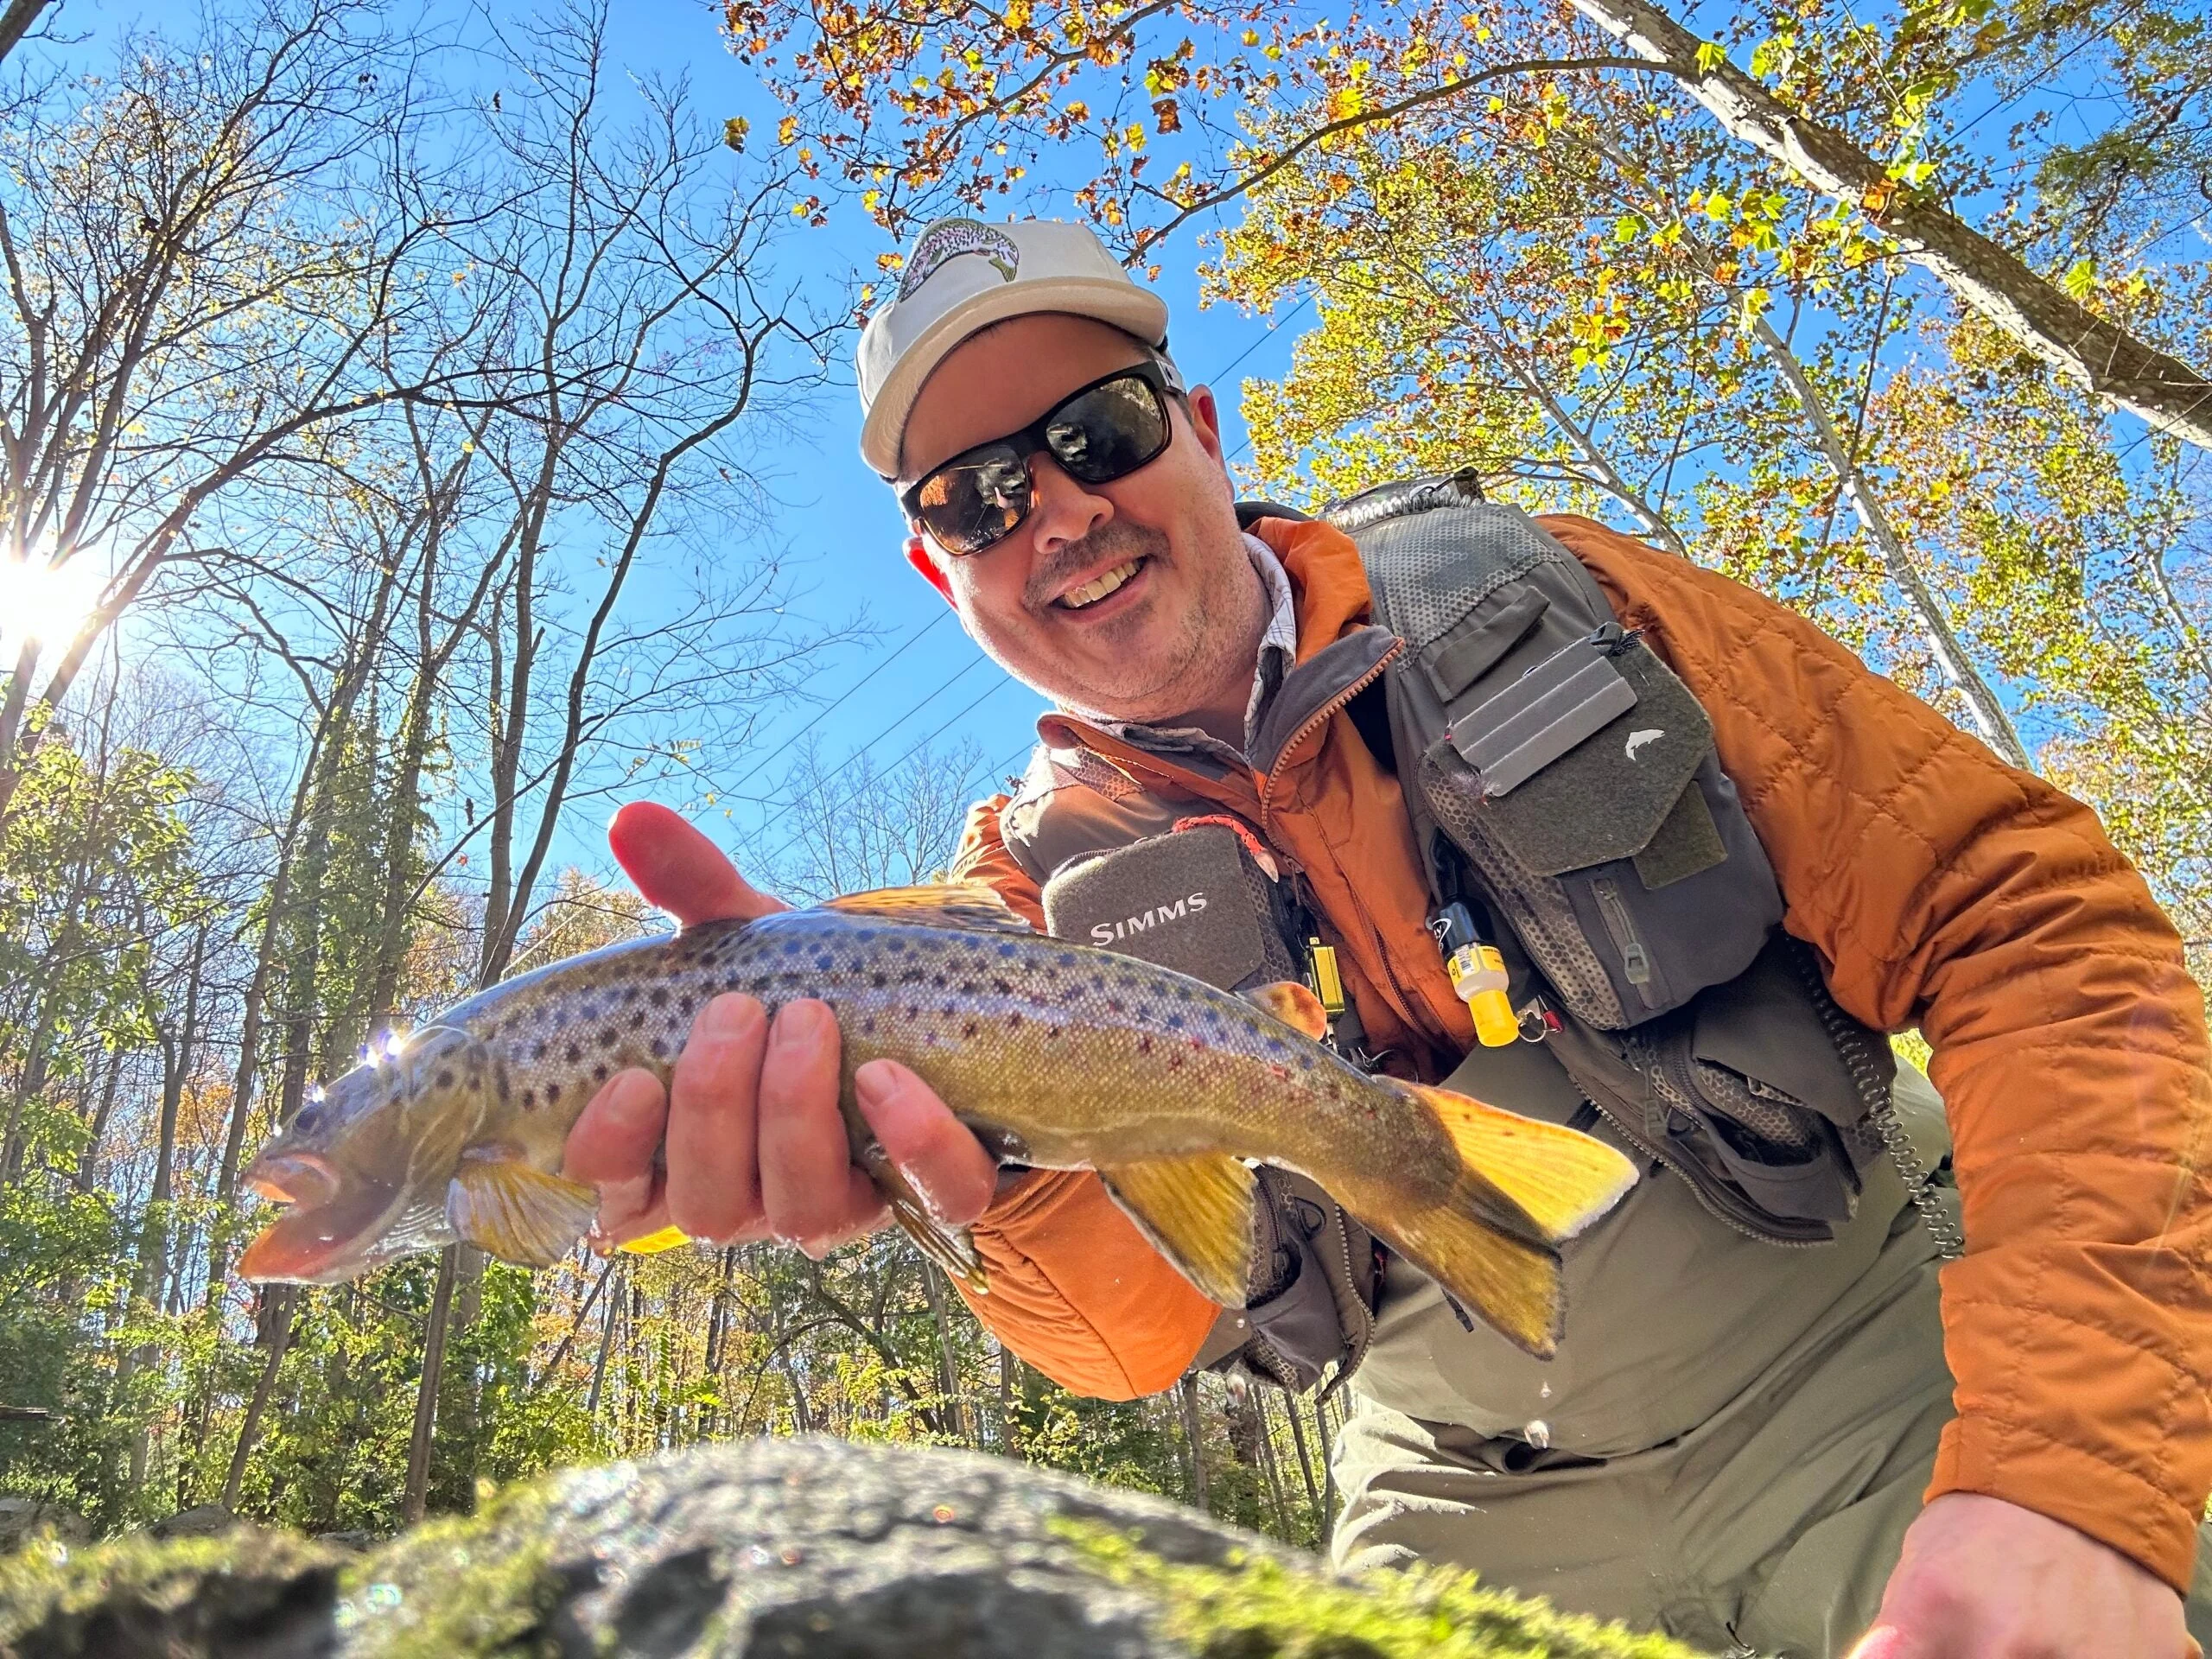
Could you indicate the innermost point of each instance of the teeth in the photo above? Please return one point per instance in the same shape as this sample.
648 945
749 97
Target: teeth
1091 592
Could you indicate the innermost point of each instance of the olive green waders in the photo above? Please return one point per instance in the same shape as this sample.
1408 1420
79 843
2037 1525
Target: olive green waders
1728 1447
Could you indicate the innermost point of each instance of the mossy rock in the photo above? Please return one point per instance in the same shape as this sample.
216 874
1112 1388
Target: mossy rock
773 1549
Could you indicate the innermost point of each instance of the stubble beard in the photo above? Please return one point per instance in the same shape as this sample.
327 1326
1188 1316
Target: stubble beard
1154 668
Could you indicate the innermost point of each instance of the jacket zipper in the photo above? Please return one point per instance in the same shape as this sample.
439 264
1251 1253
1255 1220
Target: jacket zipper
1406 1003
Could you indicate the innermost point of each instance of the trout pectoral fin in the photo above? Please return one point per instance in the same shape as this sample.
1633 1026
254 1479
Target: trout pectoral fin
517 1213
1197 1212
950 1248
1295 1005
1561 1178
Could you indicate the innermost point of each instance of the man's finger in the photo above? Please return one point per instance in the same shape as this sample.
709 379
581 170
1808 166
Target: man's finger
614 1146
808 1184
946 1165
678 869
714 1192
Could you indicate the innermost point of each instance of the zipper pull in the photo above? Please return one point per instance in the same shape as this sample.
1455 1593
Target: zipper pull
1477 974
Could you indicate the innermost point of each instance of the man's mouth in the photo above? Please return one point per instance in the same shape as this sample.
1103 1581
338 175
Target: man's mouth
1100 587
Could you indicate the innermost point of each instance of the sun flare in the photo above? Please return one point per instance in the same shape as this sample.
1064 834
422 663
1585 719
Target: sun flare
46 602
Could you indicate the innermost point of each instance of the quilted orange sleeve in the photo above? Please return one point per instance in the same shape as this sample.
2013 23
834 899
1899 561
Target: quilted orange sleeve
1949 890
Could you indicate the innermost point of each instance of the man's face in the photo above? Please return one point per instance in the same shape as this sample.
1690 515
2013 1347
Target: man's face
1178 633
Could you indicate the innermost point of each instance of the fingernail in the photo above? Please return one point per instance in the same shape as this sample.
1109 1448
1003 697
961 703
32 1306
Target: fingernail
797 1023
728 1015
875 1082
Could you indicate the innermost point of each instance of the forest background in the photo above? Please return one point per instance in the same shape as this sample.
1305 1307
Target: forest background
401 416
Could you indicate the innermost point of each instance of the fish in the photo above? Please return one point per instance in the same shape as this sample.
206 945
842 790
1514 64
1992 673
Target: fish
1058 1055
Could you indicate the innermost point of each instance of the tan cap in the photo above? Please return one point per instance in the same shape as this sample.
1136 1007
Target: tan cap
963 274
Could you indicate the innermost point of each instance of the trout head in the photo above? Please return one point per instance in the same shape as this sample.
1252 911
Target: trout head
365 1165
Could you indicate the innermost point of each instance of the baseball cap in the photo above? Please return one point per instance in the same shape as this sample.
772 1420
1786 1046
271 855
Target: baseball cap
963 274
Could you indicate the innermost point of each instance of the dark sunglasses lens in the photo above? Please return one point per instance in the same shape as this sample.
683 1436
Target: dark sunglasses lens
966 508
1108 431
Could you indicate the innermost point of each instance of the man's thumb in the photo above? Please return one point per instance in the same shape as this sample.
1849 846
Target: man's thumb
681 871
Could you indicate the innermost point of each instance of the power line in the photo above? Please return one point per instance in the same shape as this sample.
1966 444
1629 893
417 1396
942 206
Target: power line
912 639
937 691
988 691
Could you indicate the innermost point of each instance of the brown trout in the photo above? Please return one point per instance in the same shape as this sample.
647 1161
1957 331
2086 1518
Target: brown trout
1057 1055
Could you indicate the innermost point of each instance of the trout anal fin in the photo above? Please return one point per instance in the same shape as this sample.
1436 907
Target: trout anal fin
1196 1210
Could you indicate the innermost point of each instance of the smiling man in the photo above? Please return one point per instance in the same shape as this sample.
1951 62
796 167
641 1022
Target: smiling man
1679 859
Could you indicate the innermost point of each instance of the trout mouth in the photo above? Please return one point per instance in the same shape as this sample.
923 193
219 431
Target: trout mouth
320 1242
301 1178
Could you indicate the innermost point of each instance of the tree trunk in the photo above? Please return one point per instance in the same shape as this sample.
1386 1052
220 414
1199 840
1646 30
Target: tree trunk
279 1309
955 1412
16 20
1187 1402
2123 370
417 1495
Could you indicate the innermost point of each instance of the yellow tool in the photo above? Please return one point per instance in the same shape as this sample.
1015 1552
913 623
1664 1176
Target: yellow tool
653 1244
1477 974
1328 982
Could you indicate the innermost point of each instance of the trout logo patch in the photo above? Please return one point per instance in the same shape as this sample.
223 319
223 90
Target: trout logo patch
950 238
1637 740
1159 916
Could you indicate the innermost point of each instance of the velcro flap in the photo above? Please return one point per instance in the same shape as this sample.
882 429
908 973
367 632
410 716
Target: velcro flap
1607 797
1562 701
1179 901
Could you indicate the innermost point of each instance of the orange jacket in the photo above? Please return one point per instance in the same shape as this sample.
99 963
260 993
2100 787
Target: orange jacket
1945 891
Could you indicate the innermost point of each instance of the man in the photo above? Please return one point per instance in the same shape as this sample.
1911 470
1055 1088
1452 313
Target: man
1741 1436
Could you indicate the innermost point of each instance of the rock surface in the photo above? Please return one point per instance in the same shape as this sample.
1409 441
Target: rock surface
770 1549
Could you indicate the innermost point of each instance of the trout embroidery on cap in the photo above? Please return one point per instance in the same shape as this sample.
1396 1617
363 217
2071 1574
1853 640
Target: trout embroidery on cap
950 238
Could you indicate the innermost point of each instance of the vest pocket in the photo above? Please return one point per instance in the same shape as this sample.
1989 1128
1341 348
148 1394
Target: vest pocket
1622 857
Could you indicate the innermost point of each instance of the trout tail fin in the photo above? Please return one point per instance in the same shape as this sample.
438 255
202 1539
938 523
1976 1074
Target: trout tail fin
1522 1186
1559 1178
1511 1285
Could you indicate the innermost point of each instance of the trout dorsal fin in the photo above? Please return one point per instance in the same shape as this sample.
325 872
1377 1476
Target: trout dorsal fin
943 903
1196 1210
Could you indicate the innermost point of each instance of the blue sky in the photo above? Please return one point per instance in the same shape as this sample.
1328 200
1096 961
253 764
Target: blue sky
840 520
916 678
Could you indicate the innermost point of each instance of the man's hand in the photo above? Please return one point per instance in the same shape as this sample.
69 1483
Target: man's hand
1982 1579
756 1145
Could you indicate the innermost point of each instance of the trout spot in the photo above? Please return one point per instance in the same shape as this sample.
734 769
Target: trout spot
660 1048
608 1036
658 996
445 1076
529 1100
552 1094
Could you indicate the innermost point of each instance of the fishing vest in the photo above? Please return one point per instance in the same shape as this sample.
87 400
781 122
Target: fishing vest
1563 787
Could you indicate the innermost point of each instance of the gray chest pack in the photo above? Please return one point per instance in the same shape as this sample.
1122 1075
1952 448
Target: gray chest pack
1563 785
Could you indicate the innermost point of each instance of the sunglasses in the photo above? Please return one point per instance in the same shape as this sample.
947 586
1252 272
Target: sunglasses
1096 434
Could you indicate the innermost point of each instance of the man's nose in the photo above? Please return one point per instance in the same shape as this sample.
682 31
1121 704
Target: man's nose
1064 510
